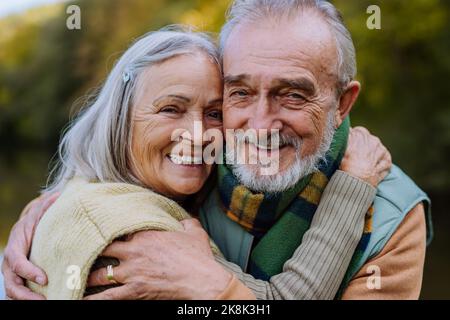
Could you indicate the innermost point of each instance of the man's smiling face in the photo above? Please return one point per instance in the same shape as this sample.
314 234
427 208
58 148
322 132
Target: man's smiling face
282 74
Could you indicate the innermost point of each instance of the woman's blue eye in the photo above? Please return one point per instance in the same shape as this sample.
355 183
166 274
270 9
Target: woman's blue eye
217 115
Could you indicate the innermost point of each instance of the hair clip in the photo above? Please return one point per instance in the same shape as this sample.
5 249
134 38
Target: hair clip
126 76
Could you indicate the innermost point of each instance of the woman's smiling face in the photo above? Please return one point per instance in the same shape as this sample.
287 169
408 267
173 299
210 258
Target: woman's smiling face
172 96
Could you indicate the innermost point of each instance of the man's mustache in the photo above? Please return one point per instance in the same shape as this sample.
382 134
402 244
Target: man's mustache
273 141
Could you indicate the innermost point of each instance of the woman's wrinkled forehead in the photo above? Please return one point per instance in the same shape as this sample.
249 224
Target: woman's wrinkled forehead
191 75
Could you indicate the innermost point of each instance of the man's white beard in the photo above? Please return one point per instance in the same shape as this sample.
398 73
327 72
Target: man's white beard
250 176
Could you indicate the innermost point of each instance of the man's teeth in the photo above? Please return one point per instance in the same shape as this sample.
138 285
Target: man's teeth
185 159
265 147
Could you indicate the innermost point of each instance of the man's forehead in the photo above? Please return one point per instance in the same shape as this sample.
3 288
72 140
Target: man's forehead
303 41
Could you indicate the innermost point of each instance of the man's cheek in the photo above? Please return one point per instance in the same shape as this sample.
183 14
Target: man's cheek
312 127
315 114
233 118
237 113
310 145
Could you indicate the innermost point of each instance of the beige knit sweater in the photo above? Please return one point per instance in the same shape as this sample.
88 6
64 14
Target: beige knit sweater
89 216
85 219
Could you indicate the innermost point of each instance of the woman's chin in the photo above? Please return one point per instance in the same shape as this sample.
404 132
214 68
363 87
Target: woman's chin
186 179
187 189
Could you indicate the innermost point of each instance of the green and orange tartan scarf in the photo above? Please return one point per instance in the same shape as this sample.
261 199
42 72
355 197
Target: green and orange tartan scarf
278 221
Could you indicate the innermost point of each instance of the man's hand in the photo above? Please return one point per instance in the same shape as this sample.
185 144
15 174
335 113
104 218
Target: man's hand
163 265
16 267
366 157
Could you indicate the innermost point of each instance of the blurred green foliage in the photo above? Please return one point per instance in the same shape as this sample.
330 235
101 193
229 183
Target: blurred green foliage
404 69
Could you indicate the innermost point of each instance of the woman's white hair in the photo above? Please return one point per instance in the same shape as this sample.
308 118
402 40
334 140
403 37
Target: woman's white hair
97 144
242 11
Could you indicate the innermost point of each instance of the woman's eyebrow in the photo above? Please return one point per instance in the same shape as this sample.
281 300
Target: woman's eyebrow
173 96
215 102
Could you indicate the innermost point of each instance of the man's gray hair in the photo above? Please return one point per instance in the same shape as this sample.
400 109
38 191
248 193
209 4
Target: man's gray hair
254 10
97 145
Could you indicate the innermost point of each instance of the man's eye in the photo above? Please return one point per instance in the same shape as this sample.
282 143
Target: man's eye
295 96
239 93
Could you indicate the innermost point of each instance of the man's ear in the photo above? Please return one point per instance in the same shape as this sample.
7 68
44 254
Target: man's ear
346 101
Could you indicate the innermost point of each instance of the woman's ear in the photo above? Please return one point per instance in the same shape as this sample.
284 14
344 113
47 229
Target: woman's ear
346 101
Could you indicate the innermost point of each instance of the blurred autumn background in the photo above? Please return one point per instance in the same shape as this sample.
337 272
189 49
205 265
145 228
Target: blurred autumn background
404 68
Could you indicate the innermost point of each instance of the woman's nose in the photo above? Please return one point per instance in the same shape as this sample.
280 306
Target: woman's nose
194 135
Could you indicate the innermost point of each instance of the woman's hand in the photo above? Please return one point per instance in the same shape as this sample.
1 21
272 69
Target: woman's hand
366 157
163 265
16 267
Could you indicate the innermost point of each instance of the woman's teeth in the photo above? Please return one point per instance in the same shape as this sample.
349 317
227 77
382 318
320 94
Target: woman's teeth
270 147
185 160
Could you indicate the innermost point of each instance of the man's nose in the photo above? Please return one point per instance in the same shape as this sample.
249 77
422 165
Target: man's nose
265 117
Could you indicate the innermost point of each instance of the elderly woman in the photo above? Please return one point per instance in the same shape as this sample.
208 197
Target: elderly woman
119 173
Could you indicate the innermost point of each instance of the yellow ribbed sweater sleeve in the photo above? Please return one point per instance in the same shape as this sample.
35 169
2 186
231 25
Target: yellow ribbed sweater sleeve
85 219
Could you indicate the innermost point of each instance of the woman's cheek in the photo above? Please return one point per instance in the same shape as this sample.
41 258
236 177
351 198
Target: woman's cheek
208 171
141 147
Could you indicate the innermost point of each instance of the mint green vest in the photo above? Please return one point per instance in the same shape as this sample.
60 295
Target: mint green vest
396 195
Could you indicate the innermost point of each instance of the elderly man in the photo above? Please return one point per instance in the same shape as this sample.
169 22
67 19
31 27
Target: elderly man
290 66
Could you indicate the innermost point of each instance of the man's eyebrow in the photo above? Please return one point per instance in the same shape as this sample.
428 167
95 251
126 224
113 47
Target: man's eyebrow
303 84
229 80
173 96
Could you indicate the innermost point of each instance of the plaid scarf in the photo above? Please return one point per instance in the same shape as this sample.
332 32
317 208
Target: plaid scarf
278 221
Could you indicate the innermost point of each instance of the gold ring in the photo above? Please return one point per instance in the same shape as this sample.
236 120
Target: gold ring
110 274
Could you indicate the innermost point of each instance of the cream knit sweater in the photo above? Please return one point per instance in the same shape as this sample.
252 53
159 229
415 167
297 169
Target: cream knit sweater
85 219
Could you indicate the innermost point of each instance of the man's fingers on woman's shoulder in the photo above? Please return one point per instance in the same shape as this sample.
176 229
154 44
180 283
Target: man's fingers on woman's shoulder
15 287
9 276
194 228
17 292
117 249
97 278
20 266
191 223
